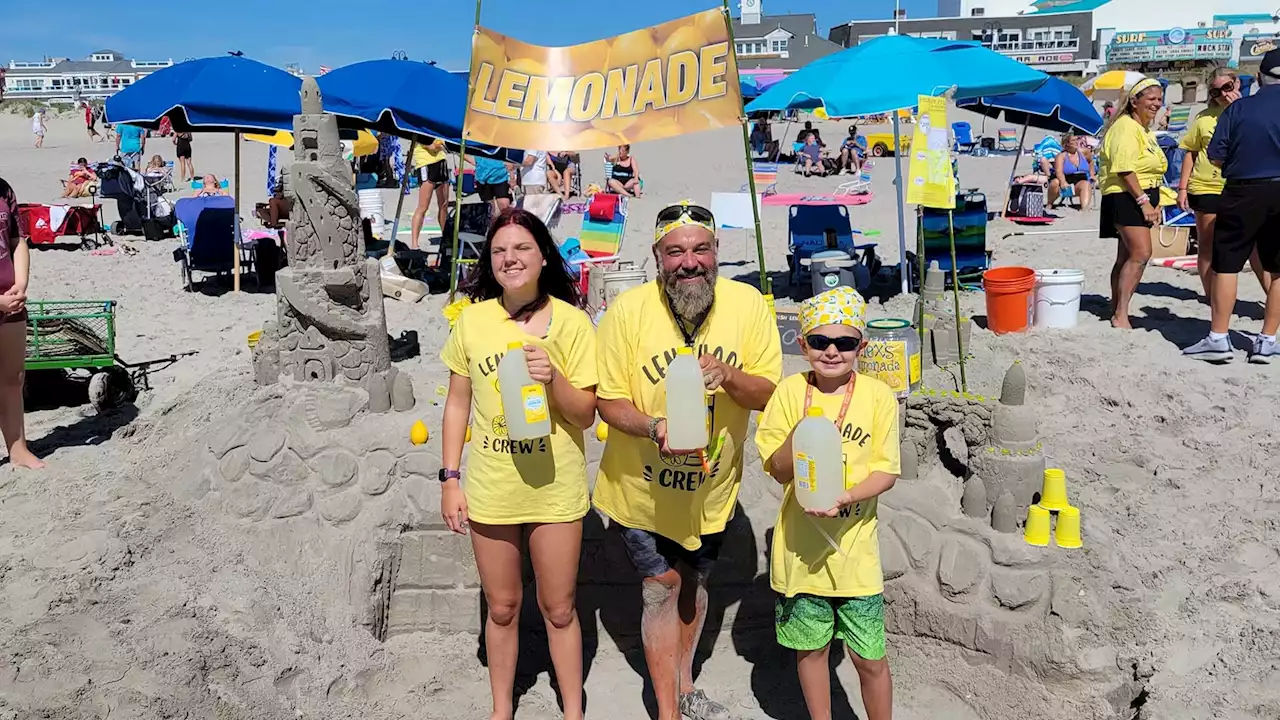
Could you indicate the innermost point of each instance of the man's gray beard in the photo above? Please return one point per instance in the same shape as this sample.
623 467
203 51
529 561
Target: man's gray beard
690 302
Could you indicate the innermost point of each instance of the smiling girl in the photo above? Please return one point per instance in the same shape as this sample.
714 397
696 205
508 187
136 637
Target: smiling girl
527 495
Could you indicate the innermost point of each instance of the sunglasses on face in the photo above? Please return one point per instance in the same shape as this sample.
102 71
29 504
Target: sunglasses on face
696 213
1222 90
842 344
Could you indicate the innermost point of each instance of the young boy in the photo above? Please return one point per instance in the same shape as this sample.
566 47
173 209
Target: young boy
824 593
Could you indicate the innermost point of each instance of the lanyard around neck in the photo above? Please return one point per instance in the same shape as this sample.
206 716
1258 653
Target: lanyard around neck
844 405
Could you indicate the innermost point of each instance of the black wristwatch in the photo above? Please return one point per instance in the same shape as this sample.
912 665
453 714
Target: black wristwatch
447 475
653 429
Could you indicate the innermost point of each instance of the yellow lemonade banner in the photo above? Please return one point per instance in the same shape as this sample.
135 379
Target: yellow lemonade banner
675 78
930 179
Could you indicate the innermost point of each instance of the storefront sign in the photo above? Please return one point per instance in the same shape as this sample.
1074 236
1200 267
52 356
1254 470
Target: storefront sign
1045 59
1170 45
1255 46
653 83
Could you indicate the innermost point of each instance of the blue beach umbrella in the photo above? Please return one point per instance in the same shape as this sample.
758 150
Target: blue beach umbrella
1056 106
413 100
749 89
226 94
842 83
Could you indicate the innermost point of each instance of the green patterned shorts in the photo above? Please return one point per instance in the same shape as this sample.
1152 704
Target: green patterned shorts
809 622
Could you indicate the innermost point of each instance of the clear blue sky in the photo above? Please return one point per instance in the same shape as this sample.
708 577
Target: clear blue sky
332 33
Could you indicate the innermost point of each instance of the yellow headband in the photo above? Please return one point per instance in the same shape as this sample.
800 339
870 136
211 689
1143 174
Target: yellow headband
1142 86
840 306
684 220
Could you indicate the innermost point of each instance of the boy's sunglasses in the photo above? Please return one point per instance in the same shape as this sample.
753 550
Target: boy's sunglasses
842 344
696 213
1218 92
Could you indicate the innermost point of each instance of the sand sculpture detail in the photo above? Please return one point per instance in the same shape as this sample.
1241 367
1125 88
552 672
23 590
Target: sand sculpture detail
331 325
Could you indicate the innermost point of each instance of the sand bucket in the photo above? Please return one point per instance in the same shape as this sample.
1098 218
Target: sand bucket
371 207
1057 303
1009 294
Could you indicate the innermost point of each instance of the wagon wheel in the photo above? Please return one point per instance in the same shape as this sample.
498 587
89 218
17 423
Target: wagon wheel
880 150
111 388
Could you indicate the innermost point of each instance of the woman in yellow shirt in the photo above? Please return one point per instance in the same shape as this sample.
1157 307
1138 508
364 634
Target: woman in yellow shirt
527 494
1201 183
1132 168
432 166
824 594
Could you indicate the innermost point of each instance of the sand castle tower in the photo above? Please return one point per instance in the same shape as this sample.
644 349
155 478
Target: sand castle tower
1010 469
935 308
331 326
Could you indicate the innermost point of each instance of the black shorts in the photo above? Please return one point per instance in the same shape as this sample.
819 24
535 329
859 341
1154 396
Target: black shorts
183 149
1207 204
437 173
1248 217
1074 178
1121 210
560 165
493 191
653 554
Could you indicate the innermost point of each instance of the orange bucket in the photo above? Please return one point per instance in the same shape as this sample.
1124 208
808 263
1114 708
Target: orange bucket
1009 293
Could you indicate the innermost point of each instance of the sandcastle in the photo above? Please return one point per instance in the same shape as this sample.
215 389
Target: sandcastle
330 322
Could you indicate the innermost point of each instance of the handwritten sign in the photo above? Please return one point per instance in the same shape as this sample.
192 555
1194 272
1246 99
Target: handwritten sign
886 360
789 330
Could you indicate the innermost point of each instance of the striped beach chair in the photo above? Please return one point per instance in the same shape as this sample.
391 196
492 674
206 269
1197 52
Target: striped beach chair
1179 117
765 175
604 239
1007 139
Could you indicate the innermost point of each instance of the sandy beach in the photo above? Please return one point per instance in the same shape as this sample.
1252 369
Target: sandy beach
126 593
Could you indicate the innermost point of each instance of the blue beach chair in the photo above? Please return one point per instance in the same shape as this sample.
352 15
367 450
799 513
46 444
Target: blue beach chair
807 227
209 232
965 141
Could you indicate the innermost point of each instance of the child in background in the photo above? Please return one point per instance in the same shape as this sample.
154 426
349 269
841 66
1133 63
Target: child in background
826 594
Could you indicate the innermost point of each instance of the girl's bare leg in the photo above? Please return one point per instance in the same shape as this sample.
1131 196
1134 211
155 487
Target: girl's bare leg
554 549
13 355
498 560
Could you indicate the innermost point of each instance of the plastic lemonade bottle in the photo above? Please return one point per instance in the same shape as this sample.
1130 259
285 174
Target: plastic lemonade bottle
819 462
686 403
524 402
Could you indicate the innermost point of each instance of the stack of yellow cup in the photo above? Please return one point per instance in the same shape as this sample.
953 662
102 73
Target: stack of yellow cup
1053 499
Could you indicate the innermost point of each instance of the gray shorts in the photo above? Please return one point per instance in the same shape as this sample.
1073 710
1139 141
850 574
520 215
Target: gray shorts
131 159
653 554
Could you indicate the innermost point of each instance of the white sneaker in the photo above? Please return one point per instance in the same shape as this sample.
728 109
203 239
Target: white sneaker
1263 350
1211 350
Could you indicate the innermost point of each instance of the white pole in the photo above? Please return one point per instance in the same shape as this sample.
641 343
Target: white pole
896 5
902 220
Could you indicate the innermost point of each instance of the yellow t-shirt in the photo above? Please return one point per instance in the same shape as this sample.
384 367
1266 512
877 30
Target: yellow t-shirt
530 481
801 560
1206 179
673 496
423 155
1129 147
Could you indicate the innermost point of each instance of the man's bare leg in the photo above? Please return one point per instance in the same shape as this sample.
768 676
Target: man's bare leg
660 633
694 704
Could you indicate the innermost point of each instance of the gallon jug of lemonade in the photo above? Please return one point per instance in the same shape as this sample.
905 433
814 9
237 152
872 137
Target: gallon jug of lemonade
819 462
686 403
524 402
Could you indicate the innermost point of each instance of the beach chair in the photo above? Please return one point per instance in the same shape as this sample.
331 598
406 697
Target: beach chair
965 142
209 234
545 206
970 220
600 238
862 185
807 234
1007 139
765 175
1179 117
198 183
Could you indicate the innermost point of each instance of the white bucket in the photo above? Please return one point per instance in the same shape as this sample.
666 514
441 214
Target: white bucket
1058 298
371 207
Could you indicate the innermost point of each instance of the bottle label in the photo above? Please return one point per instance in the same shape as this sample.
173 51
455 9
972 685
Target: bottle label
534 399
886 360
806 475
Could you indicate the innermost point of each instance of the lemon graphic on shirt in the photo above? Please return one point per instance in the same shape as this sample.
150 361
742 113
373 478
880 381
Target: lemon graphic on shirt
500 426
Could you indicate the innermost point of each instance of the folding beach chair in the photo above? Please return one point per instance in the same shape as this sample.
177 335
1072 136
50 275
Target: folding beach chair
807 230
765 175
970 221
862 185
545 206
965 142
1179 117
210 237
1007 139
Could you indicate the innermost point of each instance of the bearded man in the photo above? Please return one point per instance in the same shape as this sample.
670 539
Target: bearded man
671 509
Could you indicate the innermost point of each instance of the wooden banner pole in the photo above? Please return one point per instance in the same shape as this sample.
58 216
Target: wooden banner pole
462 161
766 284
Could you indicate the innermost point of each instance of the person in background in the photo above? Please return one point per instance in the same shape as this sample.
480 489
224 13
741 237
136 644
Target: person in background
154 166
182 148
1246 146
80 182
521 498
432 166
808 130
38 127
624 178
811 155
533 172
1044 154
15 267
1073 169
91 123
560 174
671 509
852 150
210 187
131 142
275 211
824 595
1200 187
1133 169
493 181
1108 110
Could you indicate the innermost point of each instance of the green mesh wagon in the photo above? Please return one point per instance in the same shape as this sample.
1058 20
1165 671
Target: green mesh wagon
79 336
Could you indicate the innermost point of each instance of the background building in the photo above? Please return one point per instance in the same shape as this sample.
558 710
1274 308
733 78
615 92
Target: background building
54 80
777 42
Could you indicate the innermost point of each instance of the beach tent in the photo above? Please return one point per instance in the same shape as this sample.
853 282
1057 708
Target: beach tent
840 84
1110 85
